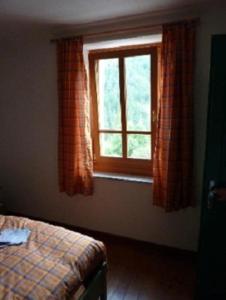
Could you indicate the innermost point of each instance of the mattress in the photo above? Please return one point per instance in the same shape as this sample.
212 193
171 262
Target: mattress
52 264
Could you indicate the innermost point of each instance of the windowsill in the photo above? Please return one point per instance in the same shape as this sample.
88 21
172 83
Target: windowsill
123 177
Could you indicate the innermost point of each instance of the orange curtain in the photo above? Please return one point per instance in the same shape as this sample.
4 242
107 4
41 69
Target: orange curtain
75 147
172 163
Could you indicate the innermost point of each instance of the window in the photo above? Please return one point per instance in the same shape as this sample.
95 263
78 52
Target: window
123 84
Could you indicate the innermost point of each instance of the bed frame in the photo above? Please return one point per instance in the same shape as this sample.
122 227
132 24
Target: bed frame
96 285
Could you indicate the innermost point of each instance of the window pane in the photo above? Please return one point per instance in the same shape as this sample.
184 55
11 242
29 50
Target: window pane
109 95
111 144
139 146
138 90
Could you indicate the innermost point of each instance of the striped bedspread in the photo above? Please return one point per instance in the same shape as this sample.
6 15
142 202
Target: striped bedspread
51 265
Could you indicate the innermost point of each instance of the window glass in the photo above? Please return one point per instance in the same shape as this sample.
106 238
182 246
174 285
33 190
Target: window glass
139 146
111 144
138 92
109 94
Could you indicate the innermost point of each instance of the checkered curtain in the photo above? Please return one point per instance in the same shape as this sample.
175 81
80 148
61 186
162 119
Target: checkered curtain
172 163
75 147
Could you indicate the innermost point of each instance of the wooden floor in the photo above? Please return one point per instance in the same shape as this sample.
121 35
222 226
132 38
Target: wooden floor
146 273
140 271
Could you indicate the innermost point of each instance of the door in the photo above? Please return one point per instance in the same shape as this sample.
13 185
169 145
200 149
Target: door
212 248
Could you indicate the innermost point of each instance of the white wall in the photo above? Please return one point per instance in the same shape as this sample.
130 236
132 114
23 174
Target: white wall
28 151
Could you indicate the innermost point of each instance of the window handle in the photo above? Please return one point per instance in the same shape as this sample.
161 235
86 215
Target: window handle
154 116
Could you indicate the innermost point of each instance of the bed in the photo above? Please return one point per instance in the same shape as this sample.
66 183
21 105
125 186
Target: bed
55 263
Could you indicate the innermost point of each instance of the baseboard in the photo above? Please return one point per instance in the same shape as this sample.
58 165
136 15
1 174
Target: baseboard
143 246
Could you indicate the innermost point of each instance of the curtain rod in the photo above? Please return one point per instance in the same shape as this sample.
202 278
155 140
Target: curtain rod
129 30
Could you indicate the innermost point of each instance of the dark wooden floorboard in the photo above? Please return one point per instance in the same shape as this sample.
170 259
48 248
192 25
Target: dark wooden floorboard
137 273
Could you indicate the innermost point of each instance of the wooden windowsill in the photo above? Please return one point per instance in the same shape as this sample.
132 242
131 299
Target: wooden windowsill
123 177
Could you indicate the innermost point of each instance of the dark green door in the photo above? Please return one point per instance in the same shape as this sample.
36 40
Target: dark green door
212 249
